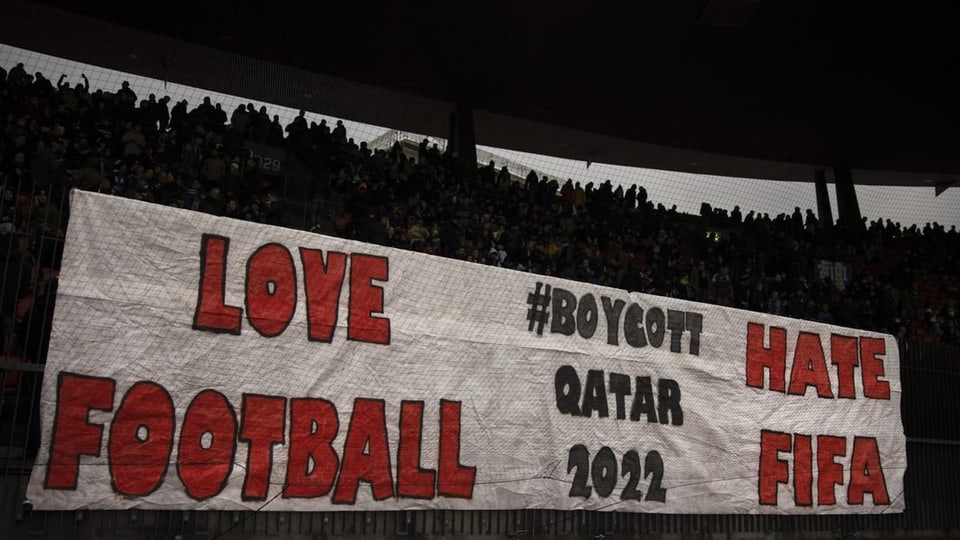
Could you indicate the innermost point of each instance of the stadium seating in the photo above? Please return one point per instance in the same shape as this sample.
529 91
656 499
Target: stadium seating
901 280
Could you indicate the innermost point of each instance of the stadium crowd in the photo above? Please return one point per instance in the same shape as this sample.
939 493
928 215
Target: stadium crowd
57 136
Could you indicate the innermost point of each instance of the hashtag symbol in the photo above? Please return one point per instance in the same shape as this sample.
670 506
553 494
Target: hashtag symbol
538 302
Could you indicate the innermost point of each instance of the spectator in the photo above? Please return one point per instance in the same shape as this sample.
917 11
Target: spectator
133 140
18 76
126 94
214 167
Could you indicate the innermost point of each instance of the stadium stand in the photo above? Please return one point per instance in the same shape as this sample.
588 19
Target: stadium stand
873 275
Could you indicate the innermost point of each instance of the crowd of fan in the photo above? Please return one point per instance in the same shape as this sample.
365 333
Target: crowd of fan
56 136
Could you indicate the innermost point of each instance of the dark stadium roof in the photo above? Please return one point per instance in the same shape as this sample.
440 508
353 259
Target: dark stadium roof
759 88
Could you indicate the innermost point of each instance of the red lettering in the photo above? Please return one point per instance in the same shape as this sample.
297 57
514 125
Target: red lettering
366 454
271 292
263 421
73 434
453 479
809 367
773 470
412 480
866 473
312 462
207 445
212 313
271 289
366 299
872 368
141 439
830 472
773 358
843 349
322 282
803 470
810 363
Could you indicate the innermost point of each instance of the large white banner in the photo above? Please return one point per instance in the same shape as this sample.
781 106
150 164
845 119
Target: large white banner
205 363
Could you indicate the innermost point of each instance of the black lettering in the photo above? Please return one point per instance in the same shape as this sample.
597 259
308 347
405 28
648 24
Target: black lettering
612 313
604 472
633 326
668 404
655 326
567 384
579 459
675 320
587 316
694 326
643 402
620 386
631 468
562 321
594 395
654 466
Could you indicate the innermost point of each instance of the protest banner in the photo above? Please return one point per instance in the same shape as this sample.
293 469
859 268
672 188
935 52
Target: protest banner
205 363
